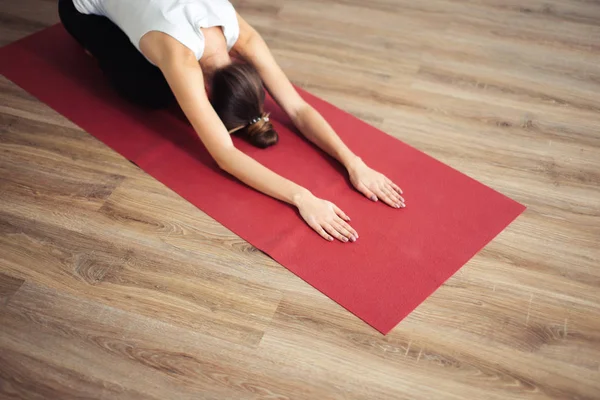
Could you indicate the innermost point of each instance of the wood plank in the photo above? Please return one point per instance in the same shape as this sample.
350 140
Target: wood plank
108 352
8 286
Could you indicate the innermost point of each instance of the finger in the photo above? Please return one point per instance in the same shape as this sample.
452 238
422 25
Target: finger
385 198
341 226
333 232
367 192
348 227
340 213
395 187
399 200
341 229
387 189
321 231
395 195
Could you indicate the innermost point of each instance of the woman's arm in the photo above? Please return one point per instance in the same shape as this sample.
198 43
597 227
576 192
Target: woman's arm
251 47
314 127
185 78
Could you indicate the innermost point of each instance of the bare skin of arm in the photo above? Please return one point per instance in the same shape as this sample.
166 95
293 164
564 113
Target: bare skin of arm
185 77
251 47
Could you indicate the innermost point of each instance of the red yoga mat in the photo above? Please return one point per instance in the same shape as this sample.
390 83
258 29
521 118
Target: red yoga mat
402 256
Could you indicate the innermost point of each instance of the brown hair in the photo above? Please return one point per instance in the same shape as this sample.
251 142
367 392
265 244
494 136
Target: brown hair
238 96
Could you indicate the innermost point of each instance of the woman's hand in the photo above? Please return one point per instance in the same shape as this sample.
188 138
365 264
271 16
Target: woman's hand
375 185
325 218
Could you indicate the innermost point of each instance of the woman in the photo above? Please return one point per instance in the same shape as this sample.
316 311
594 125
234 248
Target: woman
158 51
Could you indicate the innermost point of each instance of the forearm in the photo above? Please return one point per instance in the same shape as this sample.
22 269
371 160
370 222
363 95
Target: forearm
259 177
316 129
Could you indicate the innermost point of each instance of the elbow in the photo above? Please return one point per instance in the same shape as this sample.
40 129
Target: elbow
298 111
222 163
224 158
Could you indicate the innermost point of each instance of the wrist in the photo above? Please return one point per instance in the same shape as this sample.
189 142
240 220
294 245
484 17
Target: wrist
347 157
352 163
301 195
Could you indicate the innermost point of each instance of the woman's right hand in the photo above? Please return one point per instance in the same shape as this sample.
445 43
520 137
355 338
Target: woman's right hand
325 218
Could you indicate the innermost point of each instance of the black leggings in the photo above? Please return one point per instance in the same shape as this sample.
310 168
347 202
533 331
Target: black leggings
127 69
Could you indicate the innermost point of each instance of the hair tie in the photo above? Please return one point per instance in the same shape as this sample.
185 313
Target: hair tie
261 118
264 117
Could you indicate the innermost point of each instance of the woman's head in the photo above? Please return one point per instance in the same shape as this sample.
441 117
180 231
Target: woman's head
238 96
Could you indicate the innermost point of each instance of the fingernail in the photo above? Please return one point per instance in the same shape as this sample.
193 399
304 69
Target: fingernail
352 239
330 239
374 198
403 205
397 205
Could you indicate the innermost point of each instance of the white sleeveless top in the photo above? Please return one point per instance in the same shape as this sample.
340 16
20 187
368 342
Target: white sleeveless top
181 19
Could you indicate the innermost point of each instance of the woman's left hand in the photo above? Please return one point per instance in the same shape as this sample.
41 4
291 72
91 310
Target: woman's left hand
375 185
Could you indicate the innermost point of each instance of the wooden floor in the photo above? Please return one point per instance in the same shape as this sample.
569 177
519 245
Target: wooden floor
113 287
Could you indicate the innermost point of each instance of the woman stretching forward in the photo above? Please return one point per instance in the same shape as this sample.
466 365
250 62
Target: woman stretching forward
155 52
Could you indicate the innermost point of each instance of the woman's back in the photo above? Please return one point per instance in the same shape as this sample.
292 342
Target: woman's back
181 19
